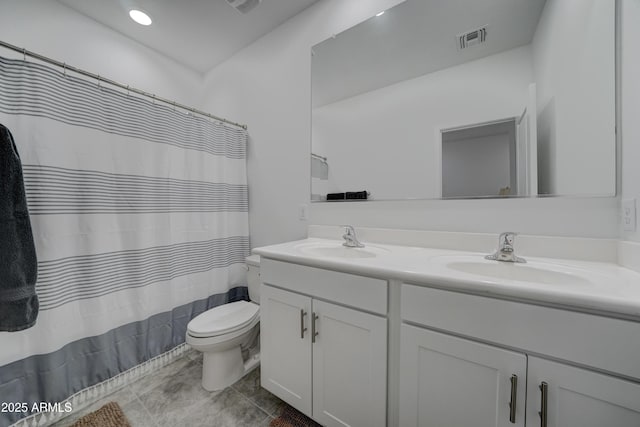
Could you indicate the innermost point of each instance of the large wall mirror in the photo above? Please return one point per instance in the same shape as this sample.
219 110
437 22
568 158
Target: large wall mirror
467 99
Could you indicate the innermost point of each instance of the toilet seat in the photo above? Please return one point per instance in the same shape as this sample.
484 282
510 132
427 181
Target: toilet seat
223 319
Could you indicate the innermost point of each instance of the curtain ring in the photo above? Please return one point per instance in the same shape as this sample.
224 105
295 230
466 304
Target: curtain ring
24 54
154 99
98 81
127 91
64 69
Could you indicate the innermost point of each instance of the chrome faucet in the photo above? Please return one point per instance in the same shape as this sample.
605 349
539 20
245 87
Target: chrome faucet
350 239
505 250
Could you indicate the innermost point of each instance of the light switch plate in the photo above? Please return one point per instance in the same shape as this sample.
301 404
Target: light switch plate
629 214
303 212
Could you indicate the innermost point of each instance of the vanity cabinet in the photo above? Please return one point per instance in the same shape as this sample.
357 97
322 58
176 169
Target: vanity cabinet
449 381
424 345
461 374
452 382
573 397
326 351
286 354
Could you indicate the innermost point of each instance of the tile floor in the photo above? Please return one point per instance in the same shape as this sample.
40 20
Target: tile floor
173 396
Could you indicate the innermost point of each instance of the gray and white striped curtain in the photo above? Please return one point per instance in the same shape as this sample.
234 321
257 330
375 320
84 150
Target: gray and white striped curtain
140 219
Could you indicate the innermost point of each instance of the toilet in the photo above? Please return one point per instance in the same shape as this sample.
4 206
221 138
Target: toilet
227 335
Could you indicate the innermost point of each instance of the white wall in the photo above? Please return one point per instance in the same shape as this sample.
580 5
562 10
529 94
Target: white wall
631 106
575 82
393 132
268 85
52 29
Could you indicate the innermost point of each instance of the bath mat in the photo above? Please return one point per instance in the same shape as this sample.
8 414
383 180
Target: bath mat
110 415
292 418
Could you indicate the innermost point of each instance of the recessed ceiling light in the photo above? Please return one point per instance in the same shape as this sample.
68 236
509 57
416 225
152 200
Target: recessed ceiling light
380 14
140 17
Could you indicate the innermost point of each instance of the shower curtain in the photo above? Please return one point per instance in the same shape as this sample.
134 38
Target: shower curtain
140 219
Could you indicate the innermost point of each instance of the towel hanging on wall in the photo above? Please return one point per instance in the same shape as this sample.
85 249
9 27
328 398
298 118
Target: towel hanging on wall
18 263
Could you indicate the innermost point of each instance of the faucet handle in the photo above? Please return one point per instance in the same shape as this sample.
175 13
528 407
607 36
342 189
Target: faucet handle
505 250
506 239
351 241
349 230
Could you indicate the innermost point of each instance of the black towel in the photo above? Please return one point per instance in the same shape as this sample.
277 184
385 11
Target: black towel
335 196
18 264
360 195
349 195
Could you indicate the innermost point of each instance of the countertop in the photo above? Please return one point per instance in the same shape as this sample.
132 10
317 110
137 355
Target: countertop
596 287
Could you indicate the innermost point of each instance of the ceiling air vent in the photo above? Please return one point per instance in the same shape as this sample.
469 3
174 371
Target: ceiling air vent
244 6
471 38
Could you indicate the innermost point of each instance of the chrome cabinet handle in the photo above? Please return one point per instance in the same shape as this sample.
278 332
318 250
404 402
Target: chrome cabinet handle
302 328
314 332
544 390
514 397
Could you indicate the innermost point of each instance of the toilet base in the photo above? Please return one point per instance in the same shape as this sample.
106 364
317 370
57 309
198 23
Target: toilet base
222 368
220 372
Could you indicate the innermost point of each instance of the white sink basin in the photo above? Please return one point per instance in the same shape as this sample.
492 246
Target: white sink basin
336 250
532 271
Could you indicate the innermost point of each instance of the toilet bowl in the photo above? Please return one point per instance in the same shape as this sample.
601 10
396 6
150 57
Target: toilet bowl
223 332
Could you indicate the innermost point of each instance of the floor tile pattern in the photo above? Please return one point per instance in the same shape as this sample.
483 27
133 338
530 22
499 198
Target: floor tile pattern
173 396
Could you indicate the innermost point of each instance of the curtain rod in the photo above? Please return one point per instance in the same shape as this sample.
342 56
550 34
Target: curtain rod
101 79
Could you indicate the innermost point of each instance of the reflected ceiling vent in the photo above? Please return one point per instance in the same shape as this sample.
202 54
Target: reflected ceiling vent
472 38
244 6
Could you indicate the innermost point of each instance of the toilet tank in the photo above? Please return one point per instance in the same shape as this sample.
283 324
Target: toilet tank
253 277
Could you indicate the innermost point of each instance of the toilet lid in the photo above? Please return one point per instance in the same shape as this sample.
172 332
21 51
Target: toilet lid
223 319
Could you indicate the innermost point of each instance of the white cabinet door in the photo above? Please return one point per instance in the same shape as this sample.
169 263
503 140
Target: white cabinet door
451 382
349 367
286 346
580 398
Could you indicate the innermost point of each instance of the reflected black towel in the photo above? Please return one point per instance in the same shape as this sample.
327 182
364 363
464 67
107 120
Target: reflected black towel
361 195
18 263
335 196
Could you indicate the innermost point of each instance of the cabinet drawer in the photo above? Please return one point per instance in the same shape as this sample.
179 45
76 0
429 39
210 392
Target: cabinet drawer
348 289
600 342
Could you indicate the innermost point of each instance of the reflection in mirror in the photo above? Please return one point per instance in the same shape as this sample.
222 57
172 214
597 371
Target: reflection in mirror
467 98
486 152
